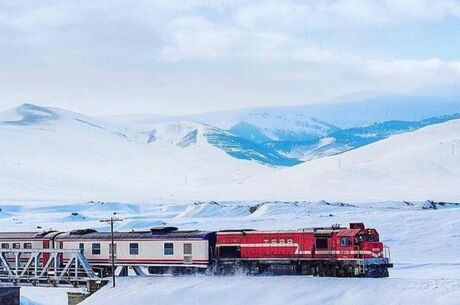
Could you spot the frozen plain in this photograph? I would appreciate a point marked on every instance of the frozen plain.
(424, 247)
(60, 164)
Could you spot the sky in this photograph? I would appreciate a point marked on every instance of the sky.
(180, 57)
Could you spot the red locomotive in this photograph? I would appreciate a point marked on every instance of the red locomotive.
(333, 251)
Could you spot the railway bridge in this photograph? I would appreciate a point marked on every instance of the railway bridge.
(43, 267)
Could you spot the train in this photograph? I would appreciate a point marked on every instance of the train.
(335, 251)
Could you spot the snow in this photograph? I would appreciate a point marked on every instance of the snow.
(44, 296)
(277, 290)
(65, 171)
(213, 209)
(417, 166)
(424, 244)
(66, 157)
(74, 158)
(343, 112)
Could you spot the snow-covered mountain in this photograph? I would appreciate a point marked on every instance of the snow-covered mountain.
(419, 165)
(347, 139)
(48, 153)
(184, 134)
(312, 131)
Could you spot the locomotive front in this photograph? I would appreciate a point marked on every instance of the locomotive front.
(368, 248)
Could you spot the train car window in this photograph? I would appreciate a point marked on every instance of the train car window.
(345, 241)
(134, 249)
(321, 243)
(81, 246)
(16, 246)
(96, 249)
(168, 249)
(5, 246)
(27, 246)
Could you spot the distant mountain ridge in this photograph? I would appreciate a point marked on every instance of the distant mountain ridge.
(54, 154)
(279, 137)
(346, 139)
(184, 134)
(314, 131)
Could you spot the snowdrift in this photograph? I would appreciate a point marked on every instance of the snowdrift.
(275, 291)
(414, 166)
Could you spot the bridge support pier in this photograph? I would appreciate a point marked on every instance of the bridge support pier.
(74, 298)
(10, 295)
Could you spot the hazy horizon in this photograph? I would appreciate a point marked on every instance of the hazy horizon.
(176, 57)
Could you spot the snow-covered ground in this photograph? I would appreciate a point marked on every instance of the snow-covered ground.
(54, 163)
(423, 237)
(51, 154)
(45, 296)
(56, 155)
(418, 165)
(277, 290)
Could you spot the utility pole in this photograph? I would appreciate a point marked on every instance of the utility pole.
(110, 221)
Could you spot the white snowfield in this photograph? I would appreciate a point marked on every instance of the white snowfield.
(419, 165)
(423, 238)
(56, 155)
(65, 156)
(54, 163)
(276, 291)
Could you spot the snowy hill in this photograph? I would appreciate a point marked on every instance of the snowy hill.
(346, 139)
(52, 154)
(184, 134)
(317, 130)
(55, 154)
(418, 165)
(268, 126)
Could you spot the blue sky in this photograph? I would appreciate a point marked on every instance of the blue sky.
(180, 57)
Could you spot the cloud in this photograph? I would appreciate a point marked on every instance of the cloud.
(194, 37)
(211, 55)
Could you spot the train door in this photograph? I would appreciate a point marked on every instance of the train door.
(46, 256)
(188, 255)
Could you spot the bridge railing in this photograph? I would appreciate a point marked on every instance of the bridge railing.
(39, 266)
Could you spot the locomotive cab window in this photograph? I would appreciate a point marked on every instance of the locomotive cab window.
(345, 241)
(134, 249)
(168, 249)
(5, 246)
(321, 243)
(96, 249)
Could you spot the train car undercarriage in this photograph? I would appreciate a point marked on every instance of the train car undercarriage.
(330, 268)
